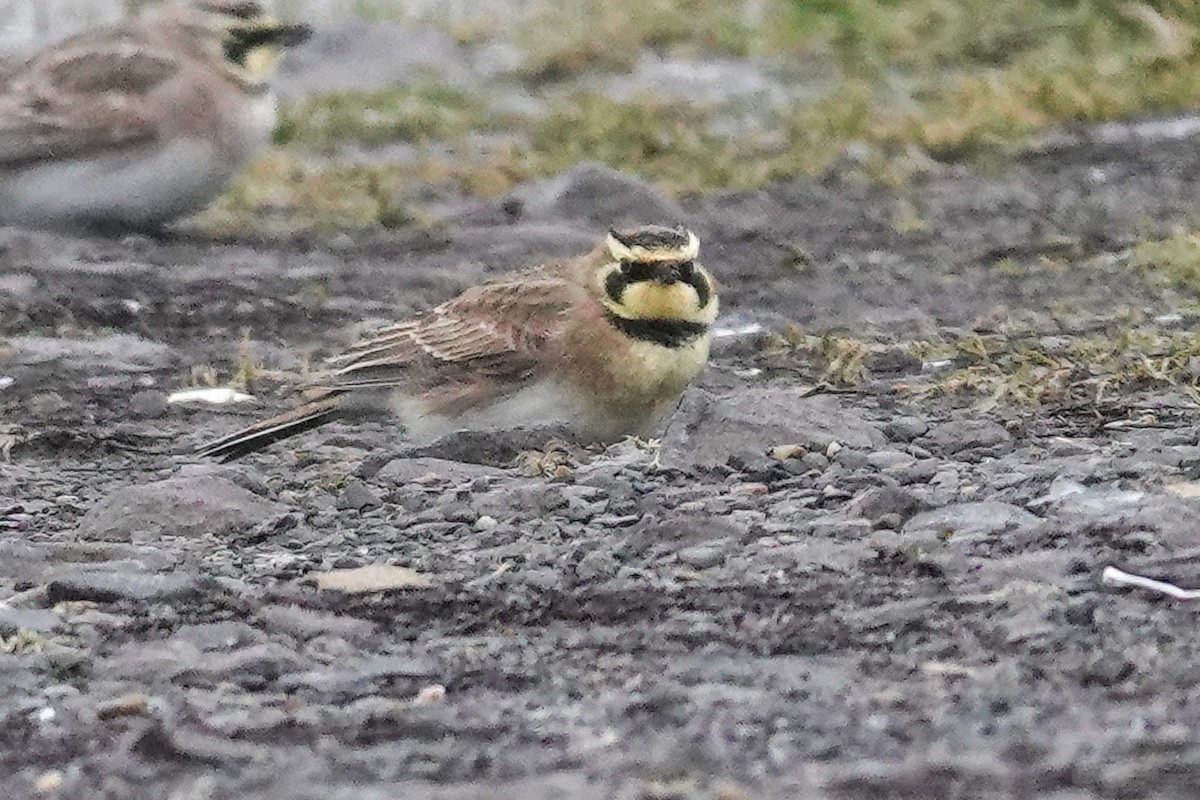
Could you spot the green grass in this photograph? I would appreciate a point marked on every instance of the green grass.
(1174, 261)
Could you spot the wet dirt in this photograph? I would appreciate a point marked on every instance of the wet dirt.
(907, 604)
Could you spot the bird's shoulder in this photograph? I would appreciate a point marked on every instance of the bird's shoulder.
(507, 325)
(89, 93)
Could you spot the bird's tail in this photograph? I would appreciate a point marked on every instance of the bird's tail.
(281, 426)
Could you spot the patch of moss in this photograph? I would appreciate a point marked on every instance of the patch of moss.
(423, 111)
(1174, 261)
(23, 642)
(1026, 369)
(839, 361)
(672, 143)
(611, 34)
(286, 193)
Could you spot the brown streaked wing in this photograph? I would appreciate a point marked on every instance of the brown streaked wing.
(79, 101)
(498, 334)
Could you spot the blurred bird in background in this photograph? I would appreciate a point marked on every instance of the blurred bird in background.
(132, 126)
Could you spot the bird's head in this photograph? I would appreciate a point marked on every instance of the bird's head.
(251, 39)
(652, 273)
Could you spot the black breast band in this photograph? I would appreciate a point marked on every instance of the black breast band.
(667, 332)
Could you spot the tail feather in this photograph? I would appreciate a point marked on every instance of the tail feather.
(281, 426)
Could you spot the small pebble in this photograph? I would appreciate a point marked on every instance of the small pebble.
(48, 782)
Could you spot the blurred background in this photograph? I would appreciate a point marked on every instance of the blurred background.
(402, 109)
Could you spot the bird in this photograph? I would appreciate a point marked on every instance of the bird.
(602, 344)
(129, 127)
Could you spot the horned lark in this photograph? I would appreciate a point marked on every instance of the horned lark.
(135, 125)
(603, 344)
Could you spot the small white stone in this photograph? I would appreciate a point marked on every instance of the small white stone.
(216, 396)
(434, 693)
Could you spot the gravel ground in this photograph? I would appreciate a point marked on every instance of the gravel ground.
(798, 593)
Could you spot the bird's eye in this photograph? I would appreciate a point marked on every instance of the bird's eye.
(686, 270)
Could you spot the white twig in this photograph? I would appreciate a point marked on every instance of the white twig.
(741, 330)
(216, 396)
(1114, 576)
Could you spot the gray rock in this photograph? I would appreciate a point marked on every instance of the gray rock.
(193, 507)
(966, 521)
(968, 434)
(401, 471)
(494, 59)
(108, 586)
(596, 564)
(360, 677)
(886, 501)
(703, 556)
(149, 404)
(839, 553)
(598, 195)
(304, 623)
(712, 80)
(919, 472)
(709, 432)
(16, 619)
(1123, 512)
(362, 55)
(513, 244)
(890, 460)
(356, 496)
(18, 285)
(251, 667)
(217, 635)
(119, 353)
(905, 429)
(22, 560)
(516, 499)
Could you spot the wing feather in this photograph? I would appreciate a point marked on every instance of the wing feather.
(488, 339)
(89, 95)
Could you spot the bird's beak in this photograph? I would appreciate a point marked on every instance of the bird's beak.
(667, 273)
(286, 35)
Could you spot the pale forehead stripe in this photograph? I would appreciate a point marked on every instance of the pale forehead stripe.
(624, 252)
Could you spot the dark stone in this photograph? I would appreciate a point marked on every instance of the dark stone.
(304, 623)
(112, 586)
(186, 506)
(16, 619)
(881, 501)
(599, 195)
(709, 432)
(356, 496)
(967, 521)
(956, 436)
(905, 429)
(251, 667)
